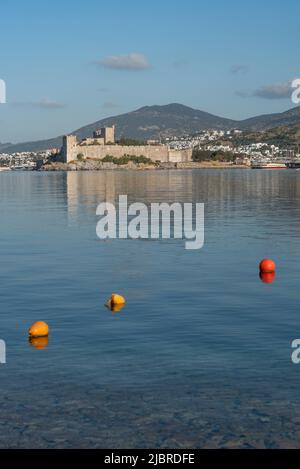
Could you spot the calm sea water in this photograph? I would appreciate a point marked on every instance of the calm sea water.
(201, 354)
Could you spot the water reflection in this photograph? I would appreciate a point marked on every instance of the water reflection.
(40, 343)
(115, 308)
(252, 192)
(89, 189)
(267, 277)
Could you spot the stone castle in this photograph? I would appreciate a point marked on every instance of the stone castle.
(103, 144)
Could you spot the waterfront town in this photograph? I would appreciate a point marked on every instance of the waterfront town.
(29, 161)
(207, 143)
(230, 142)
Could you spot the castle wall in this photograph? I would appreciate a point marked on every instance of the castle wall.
(180, 156)
(154, 153)
(91, 141)
(162, 153)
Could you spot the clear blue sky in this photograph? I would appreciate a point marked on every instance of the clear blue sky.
(68, 63)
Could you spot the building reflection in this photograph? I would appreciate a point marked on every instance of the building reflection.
(223, 191)
(85, 190)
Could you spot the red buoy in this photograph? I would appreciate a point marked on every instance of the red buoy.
(267, 277)
(267, 266)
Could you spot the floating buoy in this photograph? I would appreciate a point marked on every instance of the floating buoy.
(116, 303)
(39, 329)
(267, 265)
(116, 308)
(117, 300)
(40, 343)
(267, 277)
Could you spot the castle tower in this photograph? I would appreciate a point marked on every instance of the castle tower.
(69, 148)
(107, 133)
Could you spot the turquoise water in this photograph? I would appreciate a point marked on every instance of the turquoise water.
(201, 354)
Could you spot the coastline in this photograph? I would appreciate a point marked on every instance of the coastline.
(93, 165)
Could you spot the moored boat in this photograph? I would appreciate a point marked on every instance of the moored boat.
(25, 167)
(268, 165)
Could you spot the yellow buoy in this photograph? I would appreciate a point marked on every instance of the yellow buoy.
(39, 329)
(117, 300)
(116, 308)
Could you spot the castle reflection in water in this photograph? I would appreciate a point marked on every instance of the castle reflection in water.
(249, 189)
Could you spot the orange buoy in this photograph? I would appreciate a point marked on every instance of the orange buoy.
(115, 308)
(117, 300)
(115, 303)
(39, 329)
(267, 265)
(267, 277)
(40, 343)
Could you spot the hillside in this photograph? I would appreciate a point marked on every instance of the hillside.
(268, 121)
(144, 123)
(283, 136)
(4, 145)
(164, 121)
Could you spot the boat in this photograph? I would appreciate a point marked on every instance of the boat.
(4, 168)
(25, 167)
(294, 165)
(268, 165)
(17, 168)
